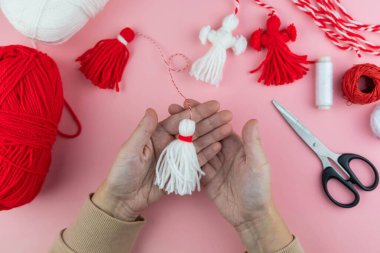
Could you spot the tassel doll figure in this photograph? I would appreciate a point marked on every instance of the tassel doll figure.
(281, 66)
(209, 68)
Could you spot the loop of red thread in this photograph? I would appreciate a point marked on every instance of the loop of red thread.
(185, 138)
(76, 121)
(350, 84)
(31, 102)
(169, 64)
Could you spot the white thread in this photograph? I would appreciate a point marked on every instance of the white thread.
(122, 40)
(324, 83)
(51, 21)
(177, 169)
(375, 121)
(209, 68)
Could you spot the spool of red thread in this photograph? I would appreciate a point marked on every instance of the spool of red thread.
(364, 92)
(31, 103)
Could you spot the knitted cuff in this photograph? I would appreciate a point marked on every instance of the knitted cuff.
(96, 232)
(293, 247)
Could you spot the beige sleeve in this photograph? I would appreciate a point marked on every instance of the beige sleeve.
(293, 247)
(96, 232)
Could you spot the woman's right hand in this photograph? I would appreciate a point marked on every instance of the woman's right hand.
(238, 182)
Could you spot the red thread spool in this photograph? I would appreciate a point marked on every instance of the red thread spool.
(31, 103)
(352, 89)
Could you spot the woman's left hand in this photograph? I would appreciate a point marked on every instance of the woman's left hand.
(129, 187)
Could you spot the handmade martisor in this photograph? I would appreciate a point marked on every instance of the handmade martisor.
(280, 66)
(351, 88)
(209, 68)
(104, 64)
(31, 103)
(51, 21)
(178, 170)
(339, 26)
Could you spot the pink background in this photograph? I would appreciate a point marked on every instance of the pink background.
(192, 224)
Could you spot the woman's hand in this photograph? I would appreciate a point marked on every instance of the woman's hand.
(130, 188)
(238, 182)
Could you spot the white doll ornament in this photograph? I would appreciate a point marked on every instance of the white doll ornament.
(209, 68)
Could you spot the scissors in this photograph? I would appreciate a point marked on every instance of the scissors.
(326, 155)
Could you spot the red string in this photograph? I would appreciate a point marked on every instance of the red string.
(185, 138)
(76, 121)
(237, 7)
(169, 64)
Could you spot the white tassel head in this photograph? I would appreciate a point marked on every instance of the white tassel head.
(177, 169)
(375, 121)
(186, 127)
(230, 22)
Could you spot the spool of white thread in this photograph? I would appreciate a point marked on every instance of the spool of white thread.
(52, 21)
(375, 121)
(324, 83)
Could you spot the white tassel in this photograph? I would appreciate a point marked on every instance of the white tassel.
(209, 68)
(177, 169)
(375, 121)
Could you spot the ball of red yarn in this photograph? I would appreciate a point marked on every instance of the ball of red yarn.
(31, 103)
(350, 84)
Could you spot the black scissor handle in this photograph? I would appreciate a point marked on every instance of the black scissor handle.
(345, 159)
(330, 173)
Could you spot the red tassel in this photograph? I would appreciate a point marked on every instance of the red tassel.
(281, 66)
(104, 64)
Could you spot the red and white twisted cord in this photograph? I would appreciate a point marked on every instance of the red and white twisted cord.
(271, 9)
(333, 19)
(237, 7)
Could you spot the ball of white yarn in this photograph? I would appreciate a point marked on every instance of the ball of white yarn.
(375, 121)
(52, 21)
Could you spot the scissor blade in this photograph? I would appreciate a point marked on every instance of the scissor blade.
(302, 132)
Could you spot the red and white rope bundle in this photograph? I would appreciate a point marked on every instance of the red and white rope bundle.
(339, 26)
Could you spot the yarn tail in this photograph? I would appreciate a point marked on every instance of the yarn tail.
(282, 66)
